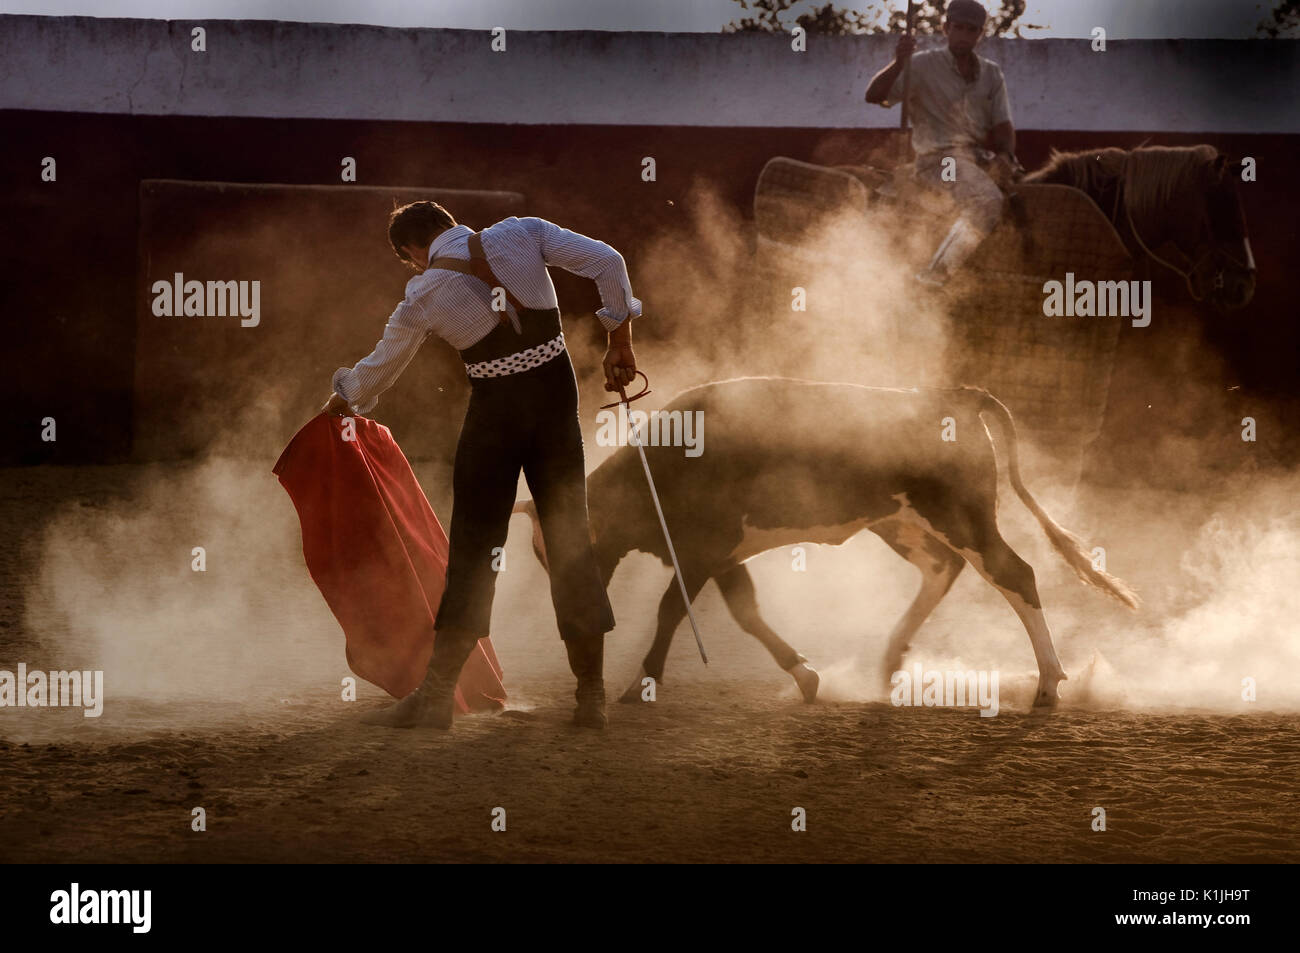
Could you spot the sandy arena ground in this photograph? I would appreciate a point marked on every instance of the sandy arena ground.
(709, 772)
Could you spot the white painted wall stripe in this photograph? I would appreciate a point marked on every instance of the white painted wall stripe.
(258, 68)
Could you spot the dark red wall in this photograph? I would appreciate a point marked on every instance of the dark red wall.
(69, 274)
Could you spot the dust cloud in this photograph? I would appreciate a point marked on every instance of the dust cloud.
(120, 587)
(1205, 526)
(1217, 571)
(1216, 576)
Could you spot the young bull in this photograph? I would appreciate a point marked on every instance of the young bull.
(792, 461)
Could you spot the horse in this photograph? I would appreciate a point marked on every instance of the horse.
(1182, 197)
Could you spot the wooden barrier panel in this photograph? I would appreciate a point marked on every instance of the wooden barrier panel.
(276, 287)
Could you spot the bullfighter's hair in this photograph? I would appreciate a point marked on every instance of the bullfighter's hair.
(416, 223)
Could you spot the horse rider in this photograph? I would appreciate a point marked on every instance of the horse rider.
(957, 102)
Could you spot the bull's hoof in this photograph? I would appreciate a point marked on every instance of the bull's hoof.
(806, 677)
(1047, 696)
(887, 682)
(1045, 700)
(637, 689)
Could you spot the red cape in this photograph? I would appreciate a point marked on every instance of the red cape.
(378, 554)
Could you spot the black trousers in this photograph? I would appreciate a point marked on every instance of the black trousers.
(525, 421)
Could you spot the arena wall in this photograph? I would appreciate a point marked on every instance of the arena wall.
(562, 120)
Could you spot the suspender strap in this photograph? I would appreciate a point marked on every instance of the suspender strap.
(478, 267)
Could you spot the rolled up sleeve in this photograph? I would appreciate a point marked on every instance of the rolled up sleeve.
(1000, 104)
(361, 384)
(592, 259)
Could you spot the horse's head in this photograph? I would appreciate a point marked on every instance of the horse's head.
(1177, 205)
(1197, 211)
(1223, 266)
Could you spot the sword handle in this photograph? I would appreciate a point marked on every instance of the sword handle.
(622, 394)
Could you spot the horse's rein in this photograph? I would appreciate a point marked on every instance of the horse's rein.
(1120, 182)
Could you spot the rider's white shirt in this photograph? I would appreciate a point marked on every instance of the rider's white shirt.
(950, 115)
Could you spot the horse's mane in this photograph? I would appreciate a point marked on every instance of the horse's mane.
(1151, 175)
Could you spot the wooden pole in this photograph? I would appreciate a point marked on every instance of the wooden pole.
(903, 147)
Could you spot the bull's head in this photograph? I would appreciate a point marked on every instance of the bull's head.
(604, 559)
(539, 544)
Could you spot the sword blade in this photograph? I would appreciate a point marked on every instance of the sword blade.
(635, 436)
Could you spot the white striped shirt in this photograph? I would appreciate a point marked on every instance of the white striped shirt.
(458, 307)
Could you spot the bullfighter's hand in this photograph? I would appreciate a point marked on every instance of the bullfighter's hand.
(1005, 170)
(620, 366)
(336, 405)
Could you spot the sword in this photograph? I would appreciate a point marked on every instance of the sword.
(635, 437)
(907, 86)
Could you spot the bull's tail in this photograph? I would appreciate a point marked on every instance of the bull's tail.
(1066, 543)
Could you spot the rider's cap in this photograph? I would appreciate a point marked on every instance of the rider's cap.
(966, 11)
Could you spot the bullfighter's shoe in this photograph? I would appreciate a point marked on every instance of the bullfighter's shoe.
(586, 659)
(433, 702)
(590, 712)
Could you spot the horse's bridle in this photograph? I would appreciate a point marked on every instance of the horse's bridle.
(1247, 265)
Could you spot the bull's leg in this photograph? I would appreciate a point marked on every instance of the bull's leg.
(939, 567)
(997, 562)
(671, 612)
(737, 587)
